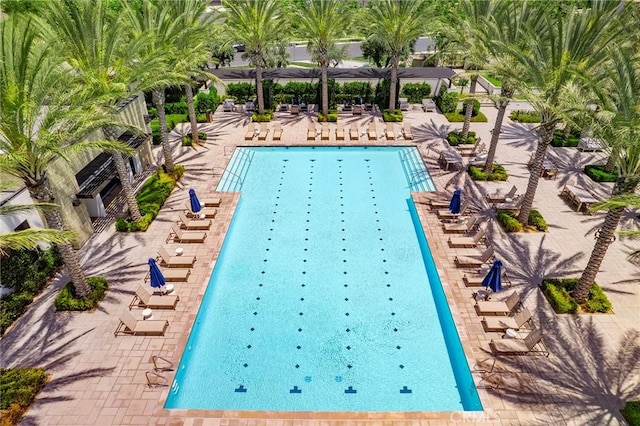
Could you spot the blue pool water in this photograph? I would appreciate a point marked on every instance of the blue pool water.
(325, 296)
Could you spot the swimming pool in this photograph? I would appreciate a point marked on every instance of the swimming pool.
(325, 296)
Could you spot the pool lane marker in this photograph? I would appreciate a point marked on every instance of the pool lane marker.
(296, 390)
(350, 389)
(241, 389)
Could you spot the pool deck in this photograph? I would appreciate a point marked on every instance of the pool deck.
(99, 379)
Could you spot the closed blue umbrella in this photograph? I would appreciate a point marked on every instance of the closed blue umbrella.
(195, 203)
(454, 205)
(157, 279)
(493, 280)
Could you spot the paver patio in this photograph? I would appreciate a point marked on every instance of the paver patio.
(99, 379)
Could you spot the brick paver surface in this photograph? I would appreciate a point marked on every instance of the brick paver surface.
(99, 379)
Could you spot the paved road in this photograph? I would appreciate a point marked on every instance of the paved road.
(298, 53)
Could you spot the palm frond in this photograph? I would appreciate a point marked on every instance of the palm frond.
(31, 238)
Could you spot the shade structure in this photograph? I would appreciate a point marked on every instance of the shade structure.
(493, 280)
(454, 205)
(157, 279)
(193, 199)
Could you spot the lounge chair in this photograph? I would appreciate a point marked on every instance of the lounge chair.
(514, 204)
(277, 131)
(130, 325)
(475, 280)
(295, 109)
(211, 202)
(340, 132)
(165, 259)
(173, 275)
(177, 235)
(389, 133)
(251, 132)
(404, 104)
(460, 228)
(479, 160)
(357, 110)
(208, 212)
(144, 299)
(516, 322)
(490, 307)
(193, 224)
(311, 132)
(467, 242)
(406, 131)
(228, 105)
(372, 133)
(500, 197)
(354, 133)
(474, 262)
(532, 344)
(264, 131)
(590, 144)
(428, 105)
(467, 150)
(324, 133)
(446, 213)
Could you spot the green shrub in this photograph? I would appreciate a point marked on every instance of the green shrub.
(27, 273)
(172, 120)
(18, 389)
(332, 117)
(176, 108)
(187, 140)
(597, 173)
(525, 116)
(67, 300)
(262, 118)
(508, 222)
(498, 173)
(458, 117)
(416, 92)
(559, 139)
(475, 109)
(537, 221)
(631, 412)
(557, 291)
(150, 199)
(455, 139)
(241, 92)
(392, 118)
(207, 102)
(447, 102)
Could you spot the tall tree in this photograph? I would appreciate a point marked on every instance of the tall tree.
(559, 54)
(322, 23)
(42, 118)
(621, 132)
(254, 24)
(400, 23)
(92, 41)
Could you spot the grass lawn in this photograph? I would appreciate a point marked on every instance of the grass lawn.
(458, 117)
(492, 79)
(303, 64)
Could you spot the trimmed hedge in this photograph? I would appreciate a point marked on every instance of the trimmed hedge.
(455, 139)
(27, 272)
(67, 300)
(597, 173)
(18, 389)
(498, 172)
(458, 117)
(188, 140)
(507, 219)
(150, 199)
(560, 141)
(392, 118)
(447, 102)
(525, 116)
(262, 118)
(416, 92)
(557, 291)
(631, 412)
(331, 117)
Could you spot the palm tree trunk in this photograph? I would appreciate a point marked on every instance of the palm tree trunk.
(469, 111)
(566, 131)
(546, 135)
(41, 193)
(192, 114)
(259, 89)
(158, 101)
(392, 85)
(495, 136)
(611, 161)
(121, 168)
(325, 90)
(605, 237)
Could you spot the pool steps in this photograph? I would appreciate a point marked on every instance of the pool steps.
(416, 172)
(234, 174)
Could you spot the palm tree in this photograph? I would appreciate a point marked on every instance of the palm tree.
(559, 55)
(399, 22)
(623, 201)
(254, 24)
(322, 22)
(93, 42)
(42, 118)
(621, 131)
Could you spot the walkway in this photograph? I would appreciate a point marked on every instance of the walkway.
(99, 379)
